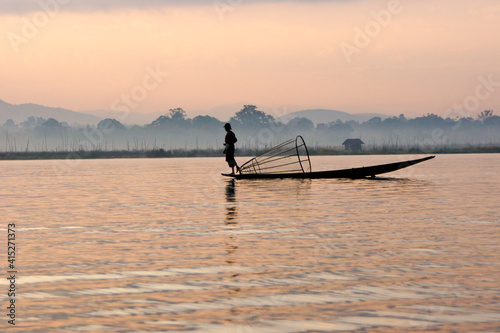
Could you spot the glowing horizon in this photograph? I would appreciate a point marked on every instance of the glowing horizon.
(361, 56)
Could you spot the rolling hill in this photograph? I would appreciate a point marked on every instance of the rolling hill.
(21, 112)
(318, 116)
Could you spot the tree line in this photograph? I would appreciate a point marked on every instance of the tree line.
(255, 129)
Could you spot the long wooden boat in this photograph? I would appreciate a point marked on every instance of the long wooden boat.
(354, 173)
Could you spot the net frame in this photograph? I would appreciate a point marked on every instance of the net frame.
(291, 156)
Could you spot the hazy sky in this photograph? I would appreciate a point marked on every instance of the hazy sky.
(411, 57)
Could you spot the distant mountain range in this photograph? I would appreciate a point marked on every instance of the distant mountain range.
(129, 118)
(318, 116)
(21, 112)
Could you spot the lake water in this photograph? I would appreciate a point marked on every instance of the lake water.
(152, 245)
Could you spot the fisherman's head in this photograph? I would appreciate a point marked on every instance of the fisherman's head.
(227, 126)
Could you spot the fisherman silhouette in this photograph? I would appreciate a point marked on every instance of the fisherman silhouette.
(230, 140)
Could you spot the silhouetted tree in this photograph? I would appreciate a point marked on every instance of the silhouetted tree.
(395, 122)
(50, 128)
(178, 115)
(109, 125)
(32, 122)
(464, 123)
(161, 121)
(174, 120)
(300, 124)
(430, 121)
(339, 127)
(375, 122)
(493, 121)
(207, 123)
(10, 125)
(250, 117)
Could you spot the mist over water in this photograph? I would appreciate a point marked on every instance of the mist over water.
(254, 129)
(169, 244)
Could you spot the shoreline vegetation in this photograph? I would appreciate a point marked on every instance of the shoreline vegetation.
(194, 153)
(256, 130)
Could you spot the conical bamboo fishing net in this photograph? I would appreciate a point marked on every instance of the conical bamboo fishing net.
(288, 157)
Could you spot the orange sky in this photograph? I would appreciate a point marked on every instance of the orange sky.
(425, 57)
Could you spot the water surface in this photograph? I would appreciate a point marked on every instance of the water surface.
(170, 245)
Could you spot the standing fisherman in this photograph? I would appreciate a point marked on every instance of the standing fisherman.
(230, 140)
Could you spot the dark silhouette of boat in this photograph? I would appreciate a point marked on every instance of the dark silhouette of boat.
(291, 160)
